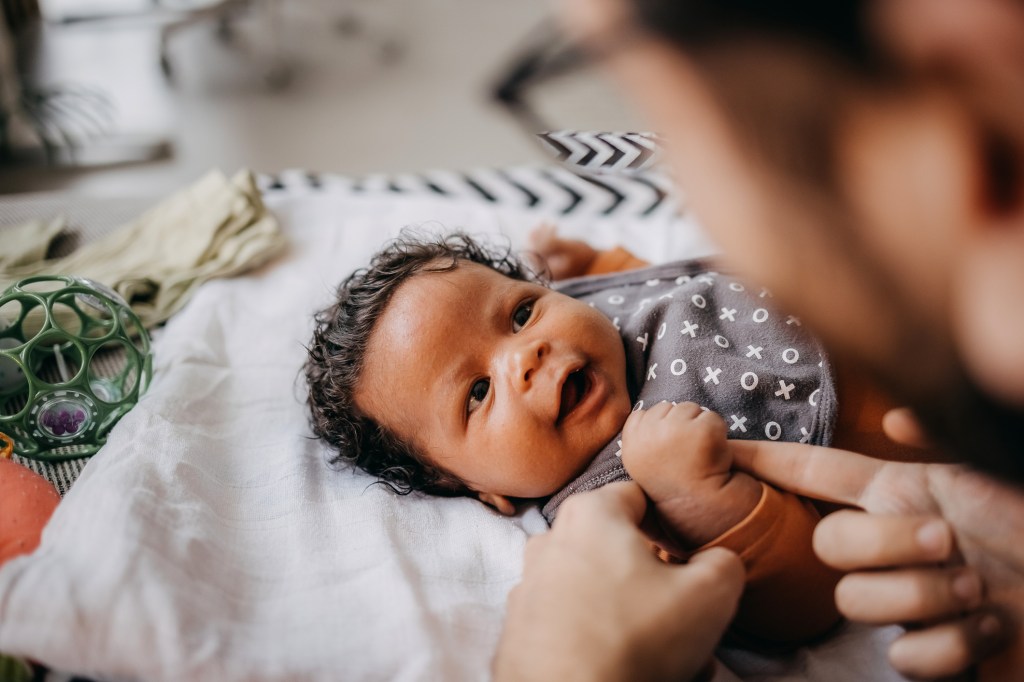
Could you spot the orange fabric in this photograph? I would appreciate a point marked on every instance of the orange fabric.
(614, 260)
(789, 594)
(27, 501)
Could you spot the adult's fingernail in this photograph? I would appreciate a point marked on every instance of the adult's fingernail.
(933, 537)
(967, 587)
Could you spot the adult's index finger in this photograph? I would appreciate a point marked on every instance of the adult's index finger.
(809, 470)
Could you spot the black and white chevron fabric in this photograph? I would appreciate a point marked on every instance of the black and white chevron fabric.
(551, 190)
(604, 152)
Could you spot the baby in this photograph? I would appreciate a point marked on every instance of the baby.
(450, 368)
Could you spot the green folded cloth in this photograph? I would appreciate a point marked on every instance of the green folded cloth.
(14, 669)
(215, 228)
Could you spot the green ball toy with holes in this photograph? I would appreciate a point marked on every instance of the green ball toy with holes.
(74, 359)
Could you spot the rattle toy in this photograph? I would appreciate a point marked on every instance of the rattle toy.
(74, 359)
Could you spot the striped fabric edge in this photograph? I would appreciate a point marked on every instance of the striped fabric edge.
(551, 190)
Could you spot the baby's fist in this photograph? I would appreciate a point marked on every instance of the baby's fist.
(563, 258)
(670, 449)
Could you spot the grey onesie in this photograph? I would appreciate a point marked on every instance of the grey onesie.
(693, 334)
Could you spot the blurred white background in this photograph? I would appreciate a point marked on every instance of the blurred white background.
(350, 86)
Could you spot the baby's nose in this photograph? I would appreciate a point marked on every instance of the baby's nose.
(526, 360)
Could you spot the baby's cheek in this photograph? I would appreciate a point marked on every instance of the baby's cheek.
(542, 479)
(620, 409)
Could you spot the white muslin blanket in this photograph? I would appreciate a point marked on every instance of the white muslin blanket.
(208, 541)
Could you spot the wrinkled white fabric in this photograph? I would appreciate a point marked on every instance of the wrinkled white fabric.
(209, 541)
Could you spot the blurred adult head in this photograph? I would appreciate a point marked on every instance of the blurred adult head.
(864, 159)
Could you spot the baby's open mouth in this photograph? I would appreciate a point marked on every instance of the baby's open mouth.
(574, 390)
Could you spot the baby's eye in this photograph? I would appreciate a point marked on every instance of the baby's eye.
(477, 393)
(522, 315)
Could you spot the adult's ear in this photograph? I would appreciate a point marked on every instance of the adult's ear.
(501, 503)
(975, 49)
(924, 32)
(977, 44)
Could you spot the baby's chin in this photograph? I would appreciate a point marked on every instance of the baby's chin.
(597, 438)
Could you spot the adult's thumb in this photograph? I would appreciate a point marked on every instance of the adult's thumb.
(716, 574)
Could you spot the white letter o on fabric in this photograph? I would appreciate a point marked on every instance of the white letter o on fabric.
(743, 381)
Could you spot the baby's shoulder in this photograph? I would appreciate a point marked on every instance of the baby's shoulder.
(661, 276)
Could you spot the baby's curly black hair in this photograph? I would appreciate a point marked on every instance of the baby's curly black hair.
(338, 350)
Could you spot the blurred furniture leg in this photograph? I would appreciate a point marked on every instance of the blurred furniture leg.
(67, 126)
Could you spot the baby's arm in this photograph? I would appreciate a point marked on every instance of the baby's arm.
(701, 502)
(565, 258)
(679, 455)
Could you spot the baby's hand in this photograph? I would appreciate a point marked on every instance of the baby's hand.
(680, 457)
(563, 258)
(670, 447)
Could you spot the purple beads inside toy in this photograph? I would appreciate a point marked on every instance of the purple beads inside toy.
(64, 418)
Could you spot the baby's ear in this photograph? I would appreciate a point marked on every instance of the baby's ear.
(499, 502)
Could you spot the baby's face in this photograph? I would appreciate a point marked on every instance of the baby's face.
(508, 385)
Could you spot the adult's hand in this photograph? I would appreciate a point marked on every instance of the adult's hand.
(596, 604)
(938, 548)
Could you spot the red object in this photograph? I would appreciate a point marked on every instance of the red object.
(27, 501)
